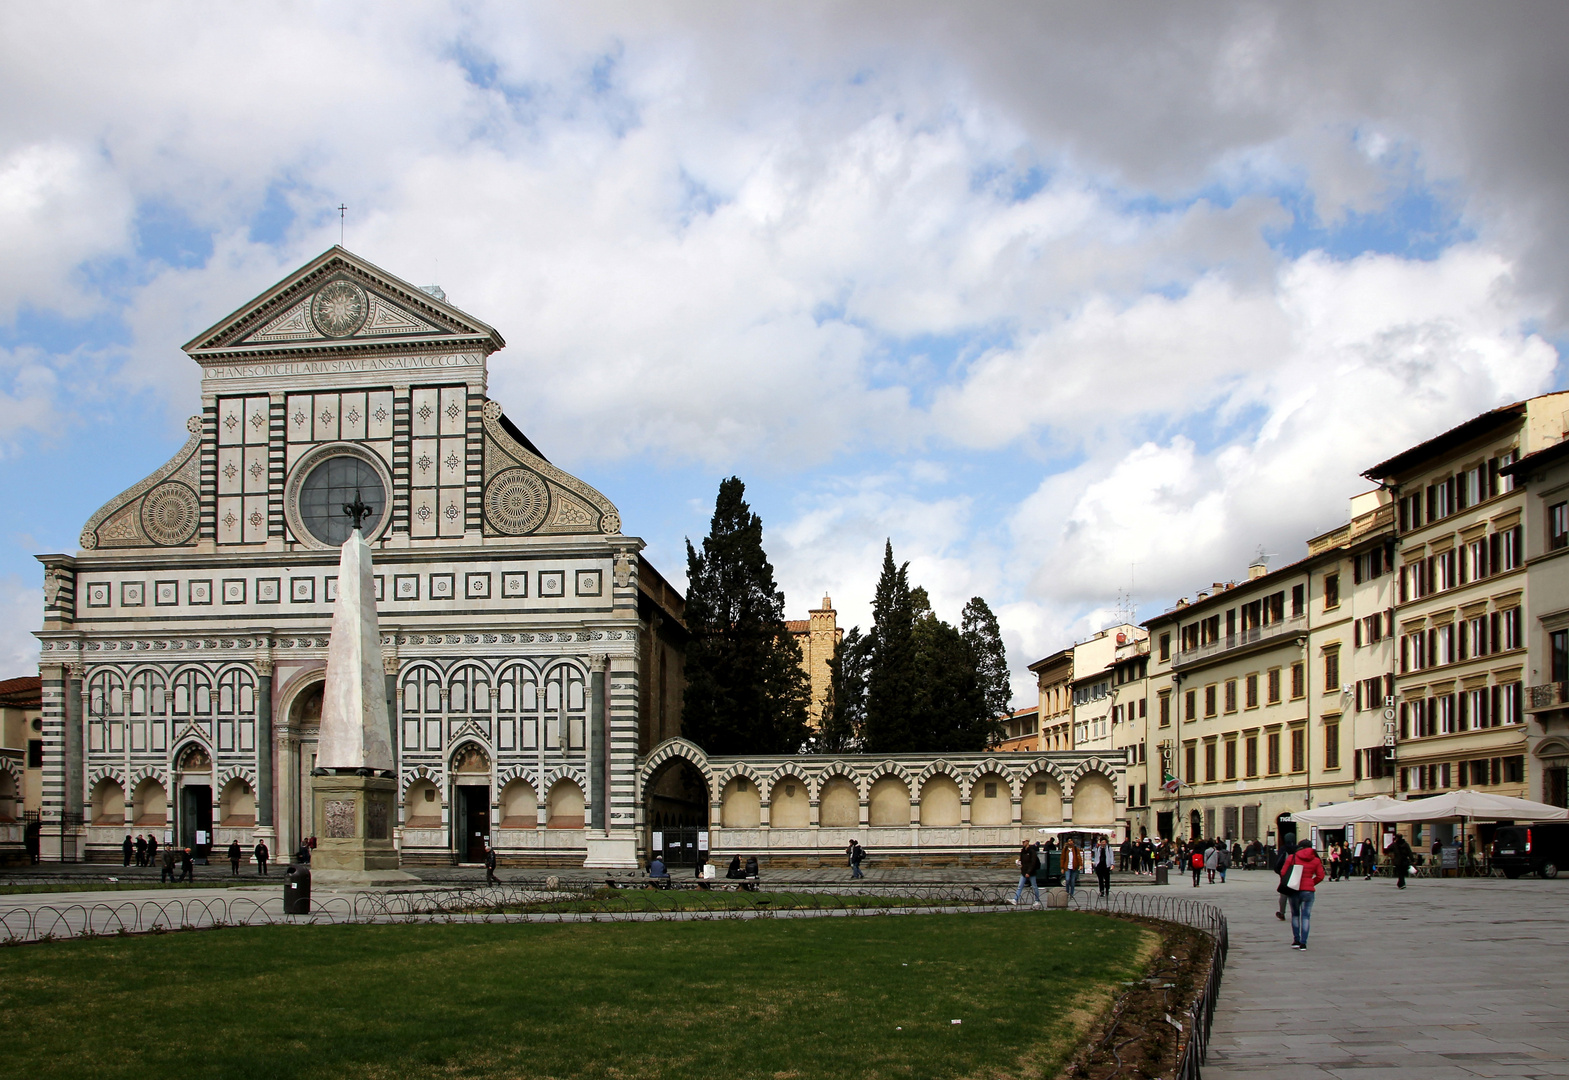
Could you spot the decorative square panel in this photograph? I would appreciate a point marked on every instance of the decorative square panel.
(99, 594)
(381, 583)
(302, 590)
(166, 593)
(133, 593)
(476, 586)
(199, 592)
(514, 583)
(234, 590)
(590, 582)
(329, 589)
(405, 586)
(552, 583)
(441, 586)
(269, 590)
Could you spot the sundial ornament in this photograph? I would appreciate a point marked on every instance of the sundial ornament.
(339, 308)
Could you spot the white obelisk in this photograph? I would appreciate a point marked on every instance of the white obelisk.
(355, 733)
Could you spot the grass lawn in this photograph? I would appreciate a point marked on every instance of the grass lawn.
(631, 901)
(789, 998)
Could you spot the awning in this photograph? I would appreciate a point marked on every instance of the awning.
(1346, 813)
(1471, 805)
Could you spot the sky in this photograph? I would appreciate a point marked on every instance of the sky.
(1080, 306)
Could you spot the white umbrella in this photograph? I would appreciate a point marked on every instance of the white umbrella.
(1474, 805)
(1346, 813)
(1091, 830)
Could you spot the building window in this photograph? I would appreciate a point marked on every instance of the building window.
(1331, 746)
(1512, 706)
(1298, 749)
(1331, 590)
(1298, 600)
(1560, 655)
(1511, 627)
(1272, 748)
(1274, 686)
(1165, 646)
(1165, 708)
(1209, 763)
(1191, 705)
(1231, 759)
(1298, 680)
(1209, 700)
(1514, 769)
(1250, 822)
(1250, 755)
(1231, 695)
(1332, 671)
(1192, 763)
(1558, 526)
(1251, 691)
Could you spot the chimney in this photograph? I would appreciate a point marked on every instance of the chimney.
(1257, 569)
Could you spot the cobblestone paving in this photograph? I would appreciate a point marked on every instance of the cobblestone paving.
(1448, 979)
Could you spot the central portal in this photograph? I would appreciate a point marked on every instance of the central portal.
(473, 818)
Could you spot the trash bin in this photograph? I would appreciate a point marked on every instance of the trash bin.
(1052, 870)
(1160, 875)
(297, 891)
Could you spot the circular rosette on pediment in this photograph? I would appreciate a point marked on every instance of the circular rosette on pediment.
(339, 308)
(169, 514)
(516, 501)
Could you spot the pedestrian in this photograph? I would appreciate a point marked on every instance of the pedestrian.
(1303, 871)
(125, 849)
(1125, 855)
(262, 855)
(187, 866)
(1211, 862)
(303, 856)
(234, 858)
(1101, 861)
(857, 856)
(152, 849)
(1222, 862)
(1278, 864)
(1400, 852)
(1029, 868)
(141, 850)
(1196, 861)
(167, 874)
(1072, 863)
(490, 866)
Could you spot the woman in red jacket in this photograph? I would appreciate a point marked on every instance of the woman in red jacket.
(1302, 871)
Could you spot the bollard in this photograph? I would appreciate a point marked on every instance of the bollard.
(297, 891)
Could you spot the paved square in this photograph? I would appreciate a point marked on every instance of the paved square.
(1460, 979)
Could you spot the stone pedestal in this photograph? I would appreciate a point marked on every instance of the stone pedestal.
(615, 851)
(354, 816)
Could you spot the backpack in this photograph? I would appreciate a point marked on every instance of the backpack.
(1197, 860)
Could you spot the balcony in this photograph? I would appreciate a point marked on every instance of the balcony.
(1545, 698)
(1247, 639)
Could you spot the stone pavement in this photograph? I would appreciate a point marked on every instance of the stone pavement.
(1448, 979)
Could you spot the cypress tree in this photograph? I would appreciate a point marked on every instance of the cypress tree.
(844, 708)
(890, 673)
(950, 705)
(746, 692)
(984, 636)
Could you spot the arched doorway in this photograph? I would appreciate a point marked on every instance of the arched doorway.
(470, 802)
(675, 806)
(193, 780)
(303, 730)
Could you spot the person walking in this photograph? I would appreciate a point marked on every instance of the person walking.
(1029, 868)
(1400, 852)
(1278, 864)
(857, 856)
(1101, 861)
(1222, 862)
(141, 850)
(1211, 862)
(234, 858)
(1196, 861)
(1072, 863)
(187, 866)
(1303, 871)
(125, 849)
(152, 850)
(262, 855)
(167, 873)
(490, 866)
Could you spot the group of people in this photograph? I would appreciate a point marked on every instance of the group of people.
(144, 850)
(1074, 861)
(1210, 858)
(1141, 856)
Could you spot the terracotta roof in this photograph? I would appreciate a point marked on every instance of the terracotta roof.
(798, 626)
(1539, 460)
(1455, 437)
(26, 692)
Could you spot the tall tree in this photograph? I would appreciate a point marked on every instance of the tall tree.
(890, 672)
(844, 707)
(746, 692)
(950, 706)
(984, 636)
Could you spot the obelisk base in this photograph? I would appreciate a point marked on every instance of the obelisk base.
(354, 846)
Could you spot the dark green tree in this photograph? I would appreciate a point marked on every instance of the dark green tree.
(745, 690)
(950, 705)
(984, 636)
(844, 708)
(890, 670)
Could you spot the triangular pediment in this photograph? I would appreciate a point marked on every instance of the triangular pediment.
(339, 301)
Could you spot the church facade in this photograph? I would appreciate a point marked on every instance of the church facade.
(530, 652)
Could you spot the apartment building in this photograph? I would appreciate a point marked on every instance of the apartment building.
(1545, 477)
(1461, 646)
(1130, 727)
(1020, 731)
(1240, 717)
(1094, 684)
(1054, 685)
